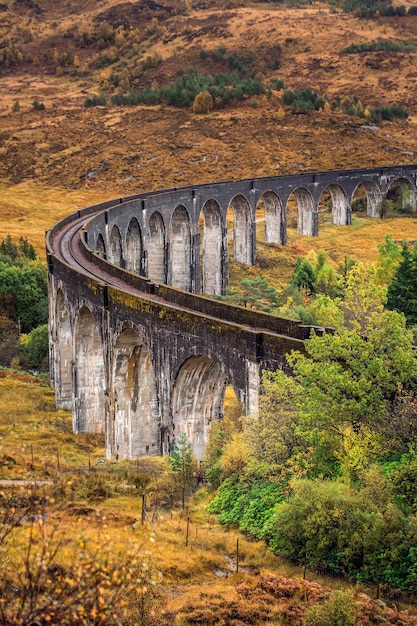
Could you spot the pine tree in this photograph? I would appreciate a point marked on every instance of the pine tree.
(304, 275)
(181, 461)
(402, 291)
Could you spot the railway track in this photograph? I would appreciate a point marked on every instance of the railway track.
(65, 243)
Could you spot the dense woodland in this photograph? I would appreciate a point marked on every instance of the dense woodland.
(326, 472)
(23, 306)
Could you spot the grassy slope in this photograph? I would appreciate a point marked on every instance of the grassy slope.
(199, 581)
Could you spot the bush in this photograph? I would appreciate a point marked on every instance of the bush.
(38, 106)
(203, 102)
(9, 341)
(337, 611)
(95, 101)
(277, 83)
(223, 88)
(28, 285)
(388, 113)
(304, 99)
(218, 54)
(247, 506)
(382, 45)
(369, 8)
(412, 10)
(36, 347)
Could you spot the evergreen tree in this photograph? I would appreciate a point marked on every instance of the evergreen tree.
(181, 461)
(8, 248)
(258, 294)
(304, 275)
(402, 291)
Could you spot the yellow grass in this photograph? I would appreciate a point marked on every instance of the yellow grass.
(358, 241)
(31, 425)
(201, 574)
(28, 210)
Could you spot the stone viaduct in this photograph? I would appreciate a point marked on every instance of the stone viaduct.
(138, 347)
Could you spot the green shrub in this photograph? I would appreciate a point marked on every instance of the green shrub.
(277, 83)
(248, 506)
(235, 62)
(388, 113)
(223, 88)
(304, 99)
(382, 45)
(95, 101)
(38, 106)
(36, 347)
(218, 54)
(25, 280)
(339, 610)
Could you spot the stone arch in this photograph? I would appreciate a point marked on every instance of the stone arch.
(243, 247)
(339, 205)
(180, 249)
(137, 429)
(214, 250)
(306, 213)
(404, 193)
(134, 247)
(197, 398)
(156, 249)
(274, 218)
(101, 246)
(63, 353)
(116, 247)
(373, 197)
(89, 376)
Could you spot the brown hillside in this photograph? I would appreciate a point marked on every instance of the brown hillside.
(122, 150)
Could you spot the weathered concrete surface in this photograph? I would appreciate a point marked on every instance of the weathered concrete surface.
(138, 354)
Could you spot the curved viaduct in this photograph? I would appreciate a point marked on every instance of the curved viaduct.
(137, 348)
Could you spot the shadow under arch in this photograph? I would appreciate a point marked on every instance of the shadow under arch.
(89, 376)
(340, 214)
(63, 353)
(136, 429)
(179, 237)
(243, 248)
(306, 215)
(116, 247)
(156, 249)
(400, 198)
(274, 218)
(197, 398)
(373, 196)
(134, 247)
(101, 247)
(214, 250)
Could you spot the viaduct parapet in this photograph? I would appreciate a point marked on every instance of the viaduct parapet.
(138, 347)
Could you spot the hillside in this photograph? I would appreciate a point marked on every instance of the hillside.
(57, 155)
(60, 53)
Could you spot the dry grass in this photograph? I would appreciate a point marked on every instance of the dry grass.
(199, 582)
(30, 425)
(28, 210)
(358, 241)
(150, 147)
